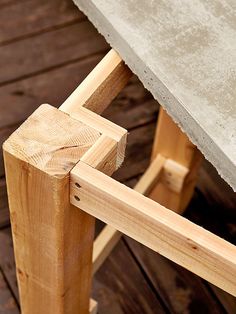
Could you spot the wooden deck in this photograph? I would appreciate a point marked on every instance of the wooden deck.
(47, 48)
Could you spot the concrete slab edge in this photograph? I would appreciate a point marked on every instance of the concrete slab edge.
(180, 115)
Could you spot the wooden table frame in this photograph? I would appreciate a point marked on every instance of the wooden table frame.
(58, 167)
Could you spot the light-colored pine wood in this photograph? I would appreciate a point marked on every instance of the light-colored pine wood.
(93, 307)
(101, 86)
(45, 147)
(155, 226)
(106, 128)
(172, 143)
(102, 155)
(151, 176)
(95, 93)
(109, 236)
(52, 239)
(174, 175)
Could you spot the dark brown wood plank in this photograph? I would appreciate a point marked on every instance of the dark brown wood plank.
(32, 17)
(215, 189)
(4, 211)
(49, 50)
(119, 286)
(227, 300)
(5, 3)
(7, 262)
(20, 99)
(182, 291)
(7, 302)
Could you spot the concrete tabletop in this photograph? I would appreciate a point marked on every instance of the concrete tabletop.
(184, 52)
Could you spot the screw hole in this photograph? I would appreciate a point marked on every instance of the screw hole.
(78, 185)
(77, 198)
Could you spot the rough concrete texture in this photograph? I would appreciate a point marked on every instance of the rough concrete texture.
(184, 52)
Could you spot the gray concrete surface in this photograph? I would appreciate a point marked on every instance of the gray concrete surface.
(184, 52)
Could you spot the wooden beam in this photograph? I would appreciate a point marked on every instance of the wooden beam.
(103, 155)
(155, 226)
(151, 176)
(105, 127)
(172, 143)
(109, 236)
(174, 175)
(95, 93)
(53, 240)
(101, 86)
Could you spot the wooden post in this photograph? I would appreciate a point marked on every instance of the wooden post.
(52, 239)
(172, 143)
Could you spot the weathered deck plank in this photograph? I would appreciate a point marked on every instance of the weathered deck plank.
(49, 50)
(7, 302)
(37, 16)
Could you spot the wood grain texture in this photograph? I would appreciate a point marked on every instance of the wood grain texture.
(101, 86)
(95, 93)
(102, 155)
(52, 86)
(155, 226)
(104, 126)
(172, 143)
(7, 265)
(52, 239)
(181, 291)
(132, 108)
(130, 293)
(34, 17)
(47, 51)
(109, 236)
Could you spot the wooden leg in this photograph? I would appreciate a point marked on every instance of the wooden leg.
(53, 240)
(172, 143)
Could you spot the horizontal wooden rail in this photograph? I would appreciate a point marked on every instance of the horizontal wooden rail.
(101, 86)
(162, 230)
(109, 236)
(94, 94)
(160, 167)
